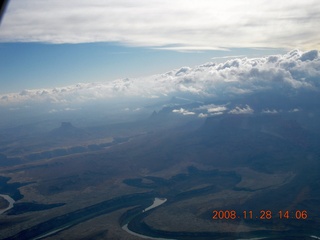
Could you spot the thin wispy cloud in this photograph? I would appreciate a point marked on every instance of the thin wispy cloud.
(228, 57)
(176, 25)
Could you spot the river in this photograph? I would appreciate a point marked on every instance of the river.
(10, 200)
(156, 203)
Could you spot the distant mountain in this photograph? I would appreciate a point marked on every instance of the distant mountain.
(67, 130)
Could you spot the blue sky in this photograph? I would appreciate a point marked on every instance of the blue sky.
(39, 65)
(46, 44)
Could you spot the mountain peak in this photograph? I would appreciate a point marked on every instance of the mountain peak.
(66, 125)
(67, 130)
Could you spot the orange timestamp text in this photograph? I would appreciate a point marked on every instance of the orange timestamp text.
(262, 214)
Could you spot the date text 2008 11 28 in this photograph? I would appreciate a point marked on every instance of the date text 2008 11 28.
(262, 215)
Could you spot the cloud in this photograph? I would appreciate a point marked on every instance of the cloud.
(183, 111)
(228, 57)
(180, 25)
(211, 110)
(216, 113)
(285, 73)
(245, 110)
(295, 110)
(53, 110)
(203, 115)
(268, 111)
(217, 109)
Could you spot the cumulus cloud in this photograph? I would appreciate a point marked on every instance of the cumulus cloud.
(295, 110)
(202, 115)
(183, 111)
(242, 110)
(289, 72)
(216, 113)
(211, 110)
(217, 109)
(177, 25)
(268, 111)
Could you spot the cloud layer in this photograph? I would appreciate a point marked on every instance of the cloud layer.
(290, 72)
(176, 25)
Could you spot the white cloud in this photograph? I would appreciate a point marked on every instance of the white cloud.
(212, 108)
(67, 109)
(228, 57)
(268, 111)
(245, 110)
(217, 109)
(70, 109)
(180, 25)
(295, 110)
(183, 111)
(202, 115)
(217, 113)
(288, 72)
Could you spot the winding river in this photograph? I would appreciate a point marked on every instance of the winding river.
(156, 203)
(140, 203)
(10, 200)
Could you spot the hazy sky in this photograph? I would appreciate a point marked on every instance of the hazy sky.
(56, 43)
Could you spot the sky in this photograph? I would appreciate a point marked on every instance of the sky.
(211, 86)
(290, 72)
(56, 43)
